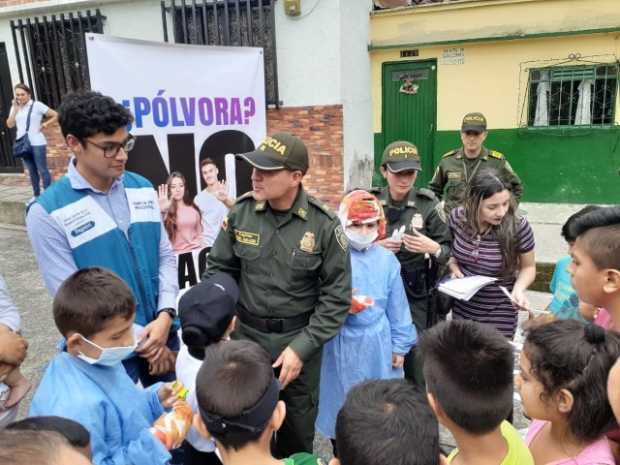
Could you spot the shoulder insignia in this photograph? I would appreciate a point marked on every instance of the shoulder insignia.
(449, 154)
(441, 212)
(321, 206)
(341, 237)
(246, 196)
(225, 223)
(429, 194)
(496, 154)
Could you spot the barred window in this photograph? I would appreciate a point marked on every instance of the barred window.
(572, 95)
(241, 23)
(53, 52)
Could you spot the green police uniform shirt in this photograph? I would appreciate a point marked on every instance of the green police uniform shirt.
(455, 171)
(430, 220)
(288, 264)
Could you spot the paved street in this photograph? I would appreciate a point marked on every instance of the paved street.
(18, 266)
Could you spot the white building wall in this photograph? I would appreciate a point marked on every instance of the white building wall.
(309, 54)
(355, 88)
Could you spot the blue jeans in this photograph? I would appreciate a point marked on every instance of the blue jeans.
(37, 168)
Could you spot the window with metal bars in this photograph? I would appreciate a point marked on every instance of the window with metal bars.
(53, 53)
(572, 95)
(241, 23)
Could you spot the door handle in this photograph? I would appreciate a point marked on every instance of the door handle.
(430, 130)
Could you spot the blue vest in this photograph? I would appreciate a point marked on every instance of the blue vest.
(96, 240)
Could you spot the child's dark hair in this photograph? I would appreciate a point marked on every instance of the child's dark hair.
(568, 228)
(84, 114)
(569, 354)
(30, 447)
(233, 378)
(599, 232)
(468, 368)
(381, 420)
(88, 299)
(72, 431)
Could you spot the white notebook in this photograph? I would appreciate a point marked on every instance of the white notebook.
(464, 288)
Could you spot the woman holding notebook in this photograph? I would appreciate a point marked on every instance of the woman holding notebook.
(491, 240)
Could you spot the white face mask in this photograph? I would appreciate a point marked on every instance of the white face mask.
(110, 356)
(361, 241)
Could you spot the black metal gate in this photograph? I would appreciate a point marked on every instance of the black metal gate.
(241, 23)
(53, 52)
(8, 164)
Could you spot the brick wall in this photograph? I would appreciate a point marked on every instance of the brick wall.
(320, 127)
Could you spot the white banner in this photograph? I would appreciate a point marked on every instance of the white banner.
(190, 102)
(209, 101)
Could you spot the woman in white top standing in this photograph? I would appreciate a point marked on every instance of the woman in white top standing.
(36, 163)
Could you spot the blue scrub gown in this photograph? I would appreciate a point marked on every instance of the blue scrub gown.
(363, 348)
(108, 404)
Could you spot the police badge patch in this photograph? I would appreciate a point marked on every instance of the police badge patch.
(307, 242)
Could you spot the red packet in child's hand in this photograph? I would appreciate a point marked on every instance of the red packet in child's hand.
(359, 303)
(172, 427)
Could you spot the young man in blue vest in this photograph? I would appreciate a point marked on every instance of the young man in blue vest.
(98, 214)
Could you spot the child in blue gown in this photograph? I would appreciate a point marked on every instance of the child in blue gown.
(378, 331)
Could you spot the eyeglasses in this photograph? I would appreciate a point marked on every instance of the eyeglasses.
(111, 149)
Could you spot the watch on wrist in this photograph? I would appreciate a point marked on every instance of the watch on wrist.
(170, 311)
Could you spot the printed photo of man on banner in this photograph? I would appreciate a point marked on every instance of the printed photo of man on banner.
(195, 107)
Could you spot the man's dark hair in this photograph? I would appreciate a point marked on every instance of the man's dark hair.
(84, 114)
(569, 354)
(71, 430)
(387, 422)
(233, 377)
(30, 447)
(599, 232)
(468, 368)
(568, 227)
(88, 299)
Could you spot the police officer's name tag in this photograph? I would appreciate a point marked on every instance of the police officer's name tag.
(143, 205)
(83, 221)
(248, 238)
(455, 175)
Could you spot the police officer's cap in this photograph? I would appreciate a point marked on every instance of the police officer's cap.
(401, 156)
(206, 311)
(277, 152)
(474, 122)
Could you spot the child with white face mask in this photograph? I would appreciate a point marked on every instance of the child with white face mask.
(86, 382)
(378, 331)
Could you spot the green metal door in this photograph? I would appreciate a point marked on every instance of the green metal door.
(410, 108)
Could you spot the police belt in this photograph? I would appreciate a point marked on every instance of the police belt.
(273, 325)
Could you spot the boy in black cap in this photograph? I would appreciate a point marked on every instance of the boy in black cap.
(207, 317)
(238, 401)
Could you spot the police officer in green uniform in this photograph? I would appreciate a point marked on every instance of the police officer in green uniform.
(290, 256)
(459, 166)
(417, 233)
